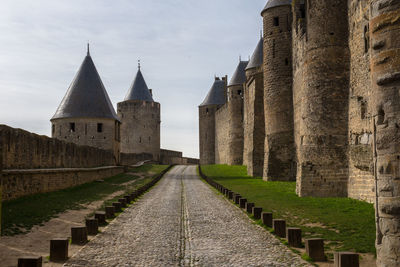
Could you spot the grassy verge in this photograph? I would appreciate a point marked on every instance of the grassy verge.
(345, 224)
(21, 214)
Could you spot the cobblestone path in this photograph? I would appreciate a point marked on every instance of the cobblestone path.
(183, 222)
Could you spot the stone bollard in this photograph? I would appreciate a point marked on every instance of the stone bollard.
(237, 199)
(101, 217)
(242, 203)
(293, 236)
(249, 207)
(79, 235)
(279, 227)
(315, 249)
(59, 249)
(230, 195)
(123, 202)
(128, 199)
(267, 219)
(117, 206)
(110, 212)
(92, 226)
(257, 212)
(346, 259)
(30, 262)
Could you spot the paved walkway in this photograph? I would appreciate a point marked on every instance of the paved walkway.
(183, 222)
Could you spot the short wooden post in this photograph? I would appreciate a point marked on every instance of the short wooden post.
(92, 226)
(257, 212)
(293, 236)
(242, 203)
(128, 199)
(267, 218)
(315, 249)
(346, 259)
(249, 207)
(230, 195)
(123, 202)
(279, 227)
(59, 249)
(79, 235)
(110, 212)
(30, 262)
(117, 206)
(237, 199)
(101, 217)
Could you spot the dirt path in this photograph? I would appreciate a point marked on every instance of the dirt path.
(183, 222)
(37, 241)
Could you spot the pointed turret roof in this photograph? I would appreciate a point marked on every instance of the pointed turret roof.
(256, 59)
(139, 89)
(239, 77)
(216, 95)
(86, 96)
(275, 3)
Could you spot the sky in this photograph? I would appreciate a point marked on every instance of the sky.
(182, 45)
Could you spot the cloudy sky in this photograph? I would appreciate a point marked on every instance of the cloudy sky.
(182, 44)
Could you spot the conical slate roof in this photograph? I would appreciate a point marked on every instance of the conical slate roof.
(275, 3)
(239, 77)
(216, 95)
(139, 89)
(256, 59)
(86, 96)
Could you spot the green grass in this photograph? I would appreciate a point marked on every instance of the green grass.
(20, 215)
(345, 224)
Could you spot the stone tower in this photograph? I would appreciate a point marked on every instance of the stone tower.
(235, 114)
(215, 98)
(140, 118)
(384, 29)
(86, 115)
(320, 95)
(254, 127)
(278, 100)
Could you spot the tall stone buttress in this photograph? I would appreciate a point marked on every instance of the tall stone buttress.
(86, 115)
(384, 30)
(320, 93)
(215, 98)
(140, 117)
(254, 123)
(278, 104)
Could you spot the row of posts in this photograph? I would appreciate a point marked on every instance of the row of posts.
(79, 235)
(314, 246)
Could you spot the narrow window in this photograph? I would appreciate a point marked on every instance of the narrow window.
(99, 127)
(149, 139)
(85, 128)
(366, 39)
(206, 110)
(140, 139)
(53, 129)
(286, 61)
(239, 92)
(72, 127)
(303, 11)
(276, 21)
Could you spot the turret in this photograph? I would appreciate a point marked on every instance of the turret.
(320, 93)
(253, 123)
(85, 115)
(140, 117)
(278, 104)
(215, 98)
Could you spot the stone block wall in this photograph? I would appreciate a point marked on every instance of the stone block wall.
(222, 135)
(207, 134)
(131, 159)
(235, 126)
(253, 124)
(361, 183)
(278, 98)
(320, 97)
(140, 128)
(20, 149)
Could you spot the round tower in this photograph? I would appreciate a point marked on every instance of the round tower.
(214, 99)
(86, 115)
(140, 118)
(278, 103)
(321, 85)
(254, 124)
(384, 30)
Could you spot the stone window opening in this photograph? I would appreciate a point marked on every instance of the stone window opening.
(381, 116)
(363, 110)
(366, 39)
(85, 128)
(286, 61)
(140, 139)
(53, 129)
(276, 21)
(99, 127)
(239, 92)
(149, 139)
(206, 110)
(72, 127)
